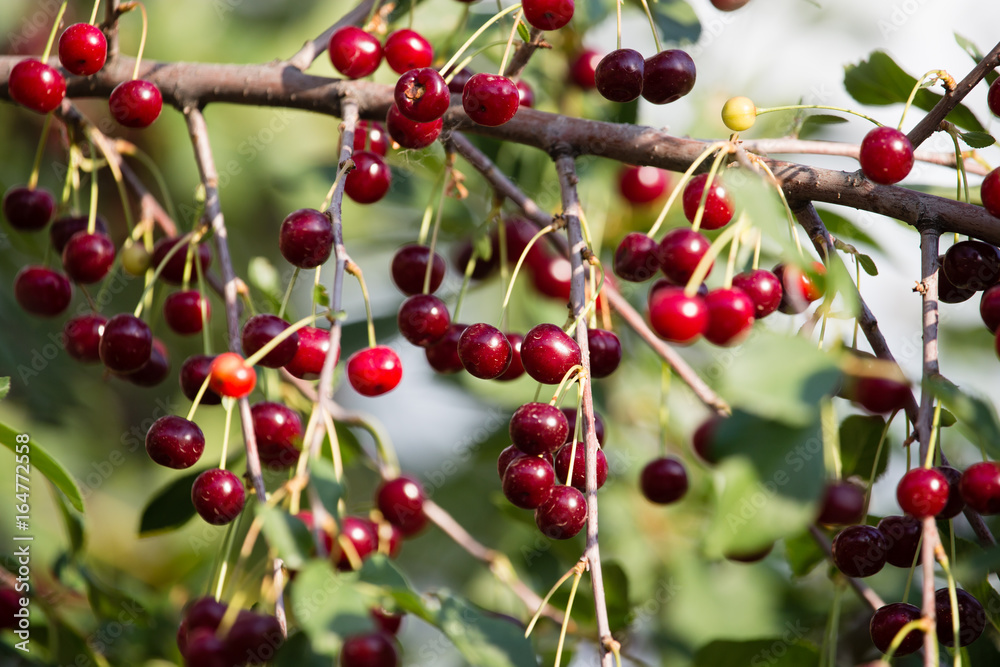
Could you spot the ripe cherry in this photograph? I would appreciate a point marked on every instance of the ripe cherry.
(354, 52)
(173, 271)
(409, 267)
(175, 442)
(679, 253)
(459, 79)
(155, 370)
(371, 136)
(28, 209)
(972, 265)
(361, 535)
(409, 133)
(218, 496)
(82, 337)
(605, 352)
(955, 503)
(881, 390)
(422, 95)
(993, 98)
(949, 292)
(63, 229)
(989, 191)
(859, 551)
(136, 103)
(279, 433)
(583, 69)
(989, 308)
(578, 456)
(192, 375)
(664, 480)
(552, 277)
(667, 76)
(886, 155)
(230, 376)
(374, 371)
(127, 343)
(728, 5)
(548, 353)
(407, 49)
(372, 650)
(260, 330)
(35, 85)
(202, 648)
(442, 354)
(548, 14)
(387, 622)
(516, 368)
(490, 99)
(886, 623)
(843, 503)
(525, 94)
(642, 185)
(980, 487)
(703, 437)
(902, 538)
(508, 455)
(676, 317)
(618, 76)
(369, 180)
(484, 350)
(87, 258)
(730, 316)
(798, 289)
(971, 617)
(306, 238)
(763, 288)
(83, 49)
(401, 502)
(310, 355)
(423, 319)
(253, 639)
(719, 207)
(571, 421)
(637, 258)
(563, 515)
(183, 312)
(539, 428)
(527, 482)
(42, 291)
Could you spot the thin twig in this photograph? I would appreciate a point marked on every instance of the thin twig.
(863, 590)
(110, 28)
(523, 53)
(314, 48)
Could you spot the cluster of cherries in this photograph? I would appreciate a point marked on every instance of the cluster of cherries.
(252, 639)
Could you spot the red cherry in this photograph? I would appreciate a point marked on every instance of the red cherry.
(155, 370)
(577, 454)
(548, 14)
(993, 98)
(310, 355)
(183, 312)
(730, 316)
(538, 428)
(136, 103)
(563, 515)
(637, 258)
(763, 288)
(605, 352)
(175, 442)
(843, 503)
(527, 482)
(354, 53)
(667, 76)
(442, 354)
(718, 207)
(173, 271)
(87, 258)
(386, 621)
(374, 371)
(306, 238)
(423, 319)
(369, 180)
(371, 136)
(525, 94)
(42, 291)
(279, 434)
(361, 534)
(980, 487)
(260, 330)
(82, 336)
(484, 350)
(583, 69)
(886, 623)
(422, 95)
(35, 85)
(798, 289)
(922, 492)
(409, 133)
(218, 496)
(552, 277)
(28, 209)
(374, 650)
(401, 502)
(516, 368)
(548, 353)
(642, 185)
(230, 376)
(886, 155)
(664, 480)
(859, 551)
(902, 535)
(83, 49)
(192, 375)
(676, 317)
(407, 49)
(679, 253)
(989, 191)
(618, 76)
(409, 267)
(490, 99)
(126, 344)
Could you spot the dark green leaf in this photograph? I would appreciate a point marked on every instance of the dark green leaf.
(880, 81)
(868, 264)
(990, 599)
(675, 20)
(803, 553)
(789, 650)
(947, 419)
(323, 478)
(859, 437)
(287, 535)
(976, 415)
(969, 47)
(845, 229)
(483, 639)
(974, 563)
(171, 507)
(329, 606)
(977, 139)
(4, 387)
(617, 595)
(298, 652)
(810, 125)
(41, 461)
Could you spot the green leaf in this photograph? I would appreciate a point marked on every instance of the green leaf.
(789, 650)
(868, 264)
(323, 478)
(810, 125)
(41, 461)
(379, 571)
(880, 81)
(320, 296)
(287, 535)
(298, 652)
(74, 525)
(845, 229)
(329, 606)
(975, 415)
(825, 119)
(170, 508)
(969, 47)
(522, 30)
(616, 590)
(483, 639)
(803, 554)
(859, 437)
(977, 139)
(675, 20)
(4, 387)
(627, 113)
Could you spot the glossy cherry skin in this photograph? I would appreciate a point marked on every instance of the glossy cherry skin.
(571, 421)
(664, 480)
(490, 99)
(354, 53)
(539, 428)
(972, 265)
(955, 504)
(980, 487)
(374, 371)
(372, 650)
(730, 316)
(902, 538)
(484, 350)
(798, 289)
(548, 14)
(605, 352)
(993, 98)
(551, 277)
(175, 442)
(563, 515)
(618, 76)
(136, 103)
(583, 69)
(668, 76)
(442, 354)
(409, 133)
(204, 649)
(422, 95)
(679, 253)
(637, 258)
(719, 207)
(922, 492)
(82, 337)
(525, 94)
(548, 353)
(843, 503)
(989, 191)
(371, 136)
(859, 551)
(83, 49)
(42, 291)
(370, 179)
(127, 343)
(260, 330)
(155, 370)
(253, 639)
(879, 395)
(387, 622)
(230, 376)
(703, 436)
(642, 185)
(363, 537)
(971, 617)
(192, 375)
(676, 317)
(307, 364)
(279, 433)
(423, 319)
(218, 496)
(763, 288)
(886, 623)
(63, 229)
(458, 81)
(183, 312)
(886, 155)
(577, 454)
(989, 308)
(35, 85)
(306, 238)
(87, 258)
(409, 266)
(527, 482)
(510, 454)
(516, 368)
(407, 49)
(28, 209)
(173, 272)
(401, 502)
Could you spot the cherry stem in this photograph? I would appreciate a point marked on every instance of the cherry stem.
(510, 40)
(831, 437)
(355, 271)
(288, 292)
(569, 607)
(665, 377)
(52, 33)
(425, 221)
(792, 107)
(345, 167)
(225, 433)
(99, 140)
(36, 166)
(470, 266)
(548, 596)
(700, 213)
(151, 280)
(963, 175)
(128, 148)
(517, 267)
(933, 75)
(493, 19)
(197, 398)
(93, 12)
(569, 375)
(733, 251)
(316, 288)
(679, 187)
(652, 27)
(469, 58)
(429, 269)
(932, 439)
(255, 358)
(219, 577)
(142, 40)
(92, 211)
(705, 262)
(203, 303)
(618, 8)
(792, 229)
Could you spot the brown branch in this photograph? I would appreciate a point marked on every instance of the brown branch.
(862, 589)
(110, 28)
(523, 53)
(312, 49)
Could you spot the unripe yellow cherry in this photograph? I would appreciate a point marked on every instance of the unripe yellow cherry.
(739, 113)
(135, 259)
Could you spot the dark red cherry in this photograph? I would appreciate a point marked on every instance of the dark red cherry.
(922, 492)
(525, 94)
(83, 49)
(35, 85)
(843, 503)
(955, 504)
(989, 191)
(42, 291)
(490, 99)
(279, 434)
(703, 436)
(253, 640)
(993, 98)
(442, 354)
(618, 76)
(676, 317)
(306, 238)
(28, 209)
(509, 454)
(859, 551)
(886, 623)
(173, 271)
(798, 289)
(571, 421)
(980, 487)
(175, 442)
(539, 428)
(563, 515)
(422, 95)
(577, 454)
(136, 103)
(548, 353)
(886, 155)
(551, 277)
(667, 77)
(605, 352)
(972, 265)
(82, 336)
(730, 316)
(401, 502)
(548, 14)
(372, 650)
(192, 375)
(948, 292)
(458, 81)
(155, 370)
(484, 350)
(361, 535)
(218, 496)
(63, 229)
(484, 268)
(583, 69)
(637, 258)
(881, 389)
(371, 136)
(518, 232)
(516, 368)
(971, 617)
(423, 319)
(719, 207)
(369, 180)
(126, 344)
(728, 5)
(310, 355)
(374, 371)
(902, 538)
(202, 648)
(679, 253)
(259, 330)
(409, 267)
(642, 185)
(407, 49)
(763, 288)
(527, 482)
(387, 622)
(664, 480)
(354, 53)
(989, 308)
(204, 614)
(409, 133)
(183, 312)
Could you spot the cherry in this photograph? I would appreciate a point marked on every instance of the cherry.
(618, 76)
(605, 352)
(993, 98)
(63, 229)
(483, 268)
(409, 133)
(28, 209)
(485, 352)
(989, 308)
(35, 85)
(749, 557)
(539, 428)
(401, 502)
(571, 421)
(763, 288)
(703, 436)
(490, 99)
(886, 155)
(548, 353)
(126, 344)
(517, 233)
(173, 271)
(42, 291)
(458, 81)
(369, 180)
(260, 330)
(728, 5)
(83, 49)
(972, 265)
(386, 621)
(371, 136)
(409, 266)
(642, 185)
(154, 371)
(82, 337)
(566, 454)
(442, 354)
(798, 289)
(136, 103)
(859, 551)
(955, 503)
(204, 649)
(583, 69)
(175, 442)
(423, 319)
(949, 292)
(563, 515)
(971, 617)
(87, 258)
(730, 316)
(879, 386)
(718, 207)
(361, 534)
(510, 454)
(354, 53)
(980, 487)
(667, 76)
(407, 49)
(516, 368)
(548, 14)
(886, 623)
(230, 376)
(374, 371)
(306, 238)
(679, 253)
(989, 191)
(372, 650)
(902, 537)
(218, 496)
(527, 482)
(676, 317)
(203, 614)
(135, 258)
(278, 429)
(253, 639)
(664, 480)
(310, 355)
(183, 312)
(552, 277)
(10, 605)
(525, 94)
(422, 95)
(739, 113)
(637, 258)
(192, 375)
(843, 503)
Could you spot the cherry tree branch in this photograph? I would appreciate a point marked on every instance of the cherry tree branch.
(110, 28)
(312, 49)
(523, 53)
